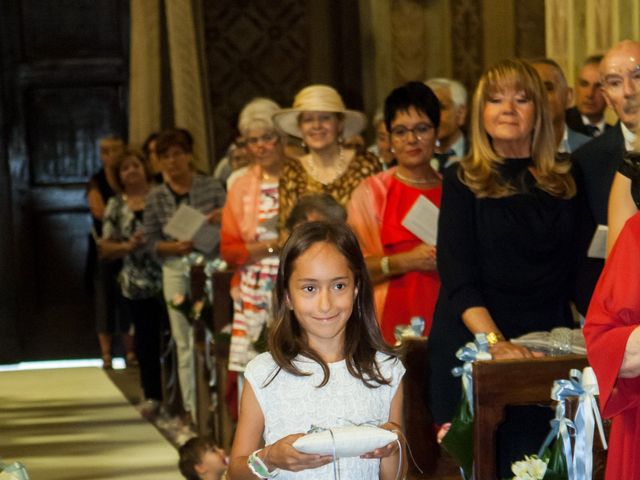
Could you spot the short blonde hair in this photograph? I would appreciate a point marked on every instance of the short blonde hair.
(479, 170)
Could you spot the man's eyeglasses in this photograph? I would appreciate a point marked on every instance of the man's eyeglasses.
(269, 138)
(420, 131)
(615, 81)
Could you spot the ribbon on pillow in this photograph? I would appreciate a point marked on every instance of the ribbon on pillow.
(472, 351)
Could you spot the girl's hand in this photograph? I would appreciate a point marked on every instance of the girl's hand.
(386, 451)
(390, 448)
(282, 455)
(507, 350)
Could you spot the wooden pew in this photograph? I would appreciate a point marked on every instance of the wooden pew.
(498, 383)
(212, 418)
(421, 436)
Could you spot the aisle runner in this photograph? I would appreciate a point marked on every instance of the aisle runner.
(74, 424)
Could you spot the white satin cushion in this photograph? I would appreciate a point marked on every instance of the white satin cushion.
(350, 441)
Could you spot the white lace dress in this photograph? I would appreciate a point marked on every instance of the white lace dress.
(292, 404)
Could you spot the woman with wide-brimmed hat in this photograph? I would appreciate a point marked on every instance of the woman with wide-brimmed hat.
(320, 119)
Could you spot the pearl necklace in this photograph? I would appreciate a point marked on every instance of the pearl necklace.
(421, 181)
(337, 171)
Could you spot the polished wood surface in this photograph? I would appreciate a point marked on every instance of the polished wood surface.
(498, 383)
(431, 461)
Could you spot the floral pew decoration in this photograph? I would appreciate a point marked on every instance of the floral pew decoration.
(560, 460)
(457, 437)
(198, 309)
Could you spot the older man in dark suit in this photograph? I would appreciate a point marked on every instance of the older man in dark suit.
(559, 95)
(587, 116)
(599, 159)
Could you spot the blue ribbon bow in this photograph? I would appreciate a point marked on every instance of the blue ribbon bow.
(472, 351)
(580, 463)
(561, 425)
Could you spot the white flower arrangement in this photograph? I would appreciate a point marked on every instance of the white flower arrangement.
(531, 468)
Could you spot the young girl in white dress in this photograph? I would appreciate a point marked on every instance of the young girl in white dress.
(327, 365)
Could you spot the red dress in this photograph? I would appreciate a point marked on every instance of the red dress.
(414, 293)
(613, 314)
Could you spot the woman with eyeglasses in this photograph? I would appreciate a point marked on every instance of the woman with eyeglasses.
(402, 267)
(249, 236)
(319, 118)
(512, 229)
(182, 186)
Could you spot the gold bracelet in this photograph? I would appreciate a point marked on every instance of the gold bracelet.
(494, 337)
(384, 266)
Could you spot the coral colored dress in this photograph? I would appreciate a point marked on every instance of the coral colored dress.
(376, 212)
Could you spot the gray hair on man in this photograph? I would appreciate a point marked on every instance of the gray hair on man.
(458, 93)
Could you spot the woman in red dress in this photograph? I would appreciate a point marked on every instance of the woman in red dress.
(612, 334)
(401, 265)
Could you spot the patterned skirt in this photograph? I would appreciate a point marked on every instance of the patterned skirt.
(252, 311)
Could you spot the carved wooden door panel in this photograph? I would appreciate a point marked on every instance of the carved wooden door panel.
(65, 77)
(273, 49)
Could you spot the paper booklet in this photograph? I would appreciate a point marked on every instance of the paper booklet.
(187, 223)
(422, 220)
(598, 247)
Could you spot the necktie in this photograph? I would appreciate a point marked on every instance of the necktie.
(443, 158)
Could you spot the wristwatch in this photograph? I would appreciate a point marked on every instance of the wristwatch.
(494, 337)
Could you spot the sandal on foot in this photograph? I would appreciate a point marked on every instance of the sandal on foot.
(130, 360)
(106, 362)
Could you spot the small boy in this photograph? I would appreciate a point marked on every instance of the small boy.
(201, 459)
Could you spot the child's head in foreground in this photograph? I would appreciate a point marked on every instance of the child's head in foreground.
(318, 256)
(200, 458)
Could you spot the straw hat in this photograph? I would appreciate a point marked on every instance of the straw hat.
(319, 98)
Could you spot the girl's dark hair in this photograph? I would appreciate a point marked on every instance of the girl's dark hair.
(412, 94)
(362, 334)
(174, 137)
(319, 203)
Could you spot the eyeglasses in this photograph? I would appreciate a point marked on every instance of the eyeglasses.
(269, 138)
(420, 131)
(615, 81)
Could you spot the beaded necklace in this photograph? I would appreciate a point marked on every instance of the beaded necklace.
(339, 168)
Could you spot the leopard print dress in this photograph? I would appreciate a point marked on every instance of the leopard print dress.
(296, 182)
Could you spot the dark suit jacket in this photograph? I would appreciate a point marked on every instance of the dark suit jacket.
(598, 160)
(574, 122)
